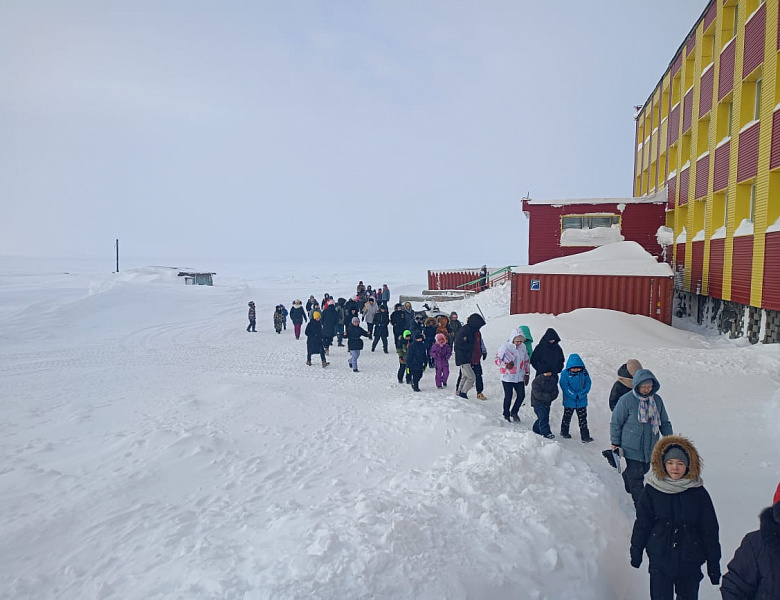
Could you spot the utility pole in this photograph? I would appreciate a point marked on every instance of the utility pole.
(117, 255)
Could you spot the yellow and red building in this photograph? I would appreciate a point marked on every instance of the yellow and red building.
(710, 133)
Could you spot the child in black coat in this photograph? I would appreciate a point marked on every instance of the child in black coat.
(544, 390)
(417, 359)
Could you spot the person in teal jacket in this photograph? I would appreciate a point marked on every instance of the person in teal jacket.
(529, 340)
(575, 385)
(638, 421)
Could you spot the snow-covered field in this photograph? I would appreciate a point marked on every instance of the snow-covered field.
(151, 448)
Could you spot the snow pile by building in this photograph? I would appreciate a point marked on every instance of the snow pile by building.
(598, 236)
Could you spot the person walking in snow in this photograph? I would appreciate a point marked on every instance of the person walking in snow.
(467, 345)
(309, 304)
(369, 312)
(483, 278)
(638, 421)
(401, 350)
(354, 343)
(252, 317)
(340, 323)
(398, 321)
(529, 340)
(410, 324)
(314, 339)
(514, 367)
(329, 318)
(754, 572)
(455, 326)
(676, 523)
(385, 295)
(440, 355)
(544, 390)
(547, 357)
(417, 359)
(476, 365)
(575, 385)
(429, 332)
(625, 381)
(284, 316)
(381, 320)
(297, 316)
(278, 318)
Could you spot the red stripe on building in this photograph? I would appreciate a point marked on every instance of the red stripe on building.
(690, 45)
(726, 76)
(754, 41)
(742, 269)
(715, 272)
(671, 190)
(674, 125)
(705, 92)
(720, 176)
(771, 292)
(676, 64)
(702, 173)
(679, 261)
(709, 17)
(683, 186)
(697, 266)
(747, 160)
(687, 111)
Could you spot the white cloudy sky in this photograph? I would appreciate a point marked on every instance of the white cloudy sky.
(305, 130)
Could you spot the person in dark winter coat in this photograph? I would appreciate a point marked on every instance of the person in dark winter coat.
(314, 339)
(340, 322)
(638, 421)
(440, 355)
(297, 316)
(381, 320)
(417, 359)
(310, 303)
(575, 385)
(284, 315)
(455, 326)
(547, 356)
(624, 383)
(754, 572)
(676, 523)
(429, 331)
(398, 321)
(466, 344)
(329, 318)
(544, 390)
(401, 350)
(278, 318)
(252, 318)
(354, 343)
(409, 314)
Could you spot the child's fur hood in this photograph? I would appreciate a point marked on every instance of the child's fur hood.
(666, 442)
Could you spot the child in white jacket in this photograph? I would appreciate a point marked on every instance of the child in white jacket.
(514, 366)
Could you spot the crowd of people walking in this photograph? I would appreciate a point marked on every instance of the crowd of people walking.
(676, 524)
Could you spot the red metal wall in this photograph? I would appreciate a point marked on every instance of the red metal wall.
(451, 280)
(683, 179)
(726, 73)
(679, 262)
(702, 172)
(697, 266)
(742, 269)
(639, 224)
(771, 291)
(636, 295)
(715, 272)
(687, 111)
(709, 17)
(754, 41)
(671, 190)
(774, 159)
(720, 176)
(747, 159)
(705, 98)
(674, 125)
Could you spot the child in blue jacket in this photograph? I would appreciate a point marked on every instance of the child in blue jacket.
(575, 385)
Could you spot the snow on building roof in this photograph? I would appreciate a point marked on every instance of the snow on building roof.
(659, 197)
(620, 258)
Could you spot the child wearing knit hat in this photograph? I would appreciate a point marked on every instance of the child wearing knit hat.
(675, 522)
(754, 572)
(440, 355)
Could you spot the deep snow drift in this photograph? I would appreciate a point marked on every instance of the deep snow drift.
(154, 449)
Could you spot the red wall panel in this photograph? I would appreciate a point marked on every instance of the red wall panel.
(754, 41)
(726, 77)
(705, 92)
(639, 223)
(747, 159)
(676, 64)
(697, 266)
(679, 261)
(674, 125)
(556, 294)
(742, 269)
(687, 111)
(720, 176)
(774, 158)
(771, 291)
(671, 190)
(702, 173)
(710, 15)
(452, 280)
(690, 45)
(715, 271)
(682, 185)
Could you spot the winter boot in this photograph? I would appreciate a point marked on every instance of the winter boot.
(481, 396)
(515, 418)
(585, 435)
(326, 350)
(565, 434)
(308, 363)
(325, 363)
(463, 395)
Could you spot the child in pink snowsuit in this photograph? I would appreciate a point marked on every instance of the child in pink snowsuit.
(440, 353)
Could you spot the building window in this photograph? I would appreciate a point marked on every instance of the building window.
(589, 221)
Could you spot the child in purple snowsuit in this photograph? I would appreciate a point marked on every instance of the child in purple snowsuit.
(440, 354)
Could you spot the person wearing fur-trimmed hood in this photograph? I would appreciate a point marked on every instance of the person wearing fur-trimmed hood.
(514, 367)
(638, 421)
(676, 523)
(754, 572)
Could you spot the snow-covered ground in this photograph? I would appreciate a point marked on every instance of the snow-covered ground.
(151, 448)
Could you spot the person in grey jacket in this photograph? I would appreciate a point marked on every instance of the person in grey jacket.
(638, 421)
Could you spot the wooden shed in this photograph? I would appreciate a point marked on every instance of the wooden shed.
(619, 276)
(197, 278)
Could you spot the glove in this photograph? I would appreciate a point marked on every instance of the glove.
(714, 575)
(484, 355)
(510, 365)
(636, 558)
(526, 379)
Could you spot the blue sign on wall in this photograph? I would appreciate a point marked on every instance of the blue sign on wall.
(536, 285)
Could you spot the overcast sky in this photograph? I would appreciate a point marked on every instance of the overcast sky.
(316, 130)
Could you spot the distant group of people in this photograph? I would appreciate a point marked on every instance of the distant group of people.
(676, 525)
